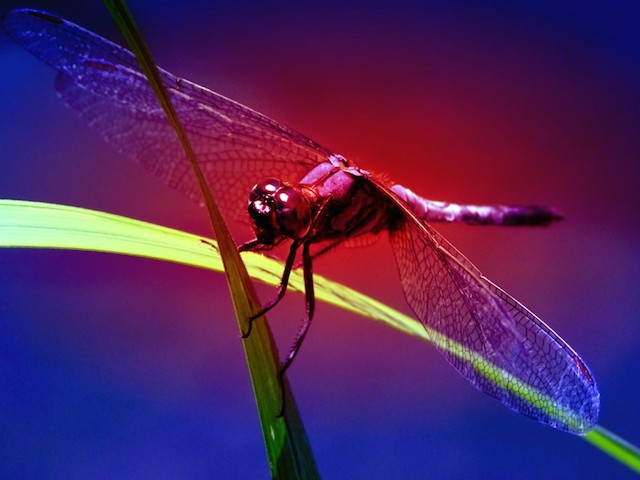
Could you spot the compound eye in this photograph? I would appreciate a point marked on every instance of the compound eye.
(266, 187)
(262, 216)
(293, 212)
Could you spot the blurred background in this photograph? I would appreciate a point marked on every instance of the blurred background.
(116, 367)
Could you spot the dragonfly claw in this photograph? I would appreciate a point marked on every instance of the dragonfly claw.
(245, 335)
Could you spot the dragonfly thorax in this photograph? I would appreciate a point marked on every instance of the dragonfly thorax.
(278, 210)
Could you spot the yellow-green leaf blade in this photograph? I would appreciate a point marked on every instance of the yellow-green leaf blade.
(40, 225)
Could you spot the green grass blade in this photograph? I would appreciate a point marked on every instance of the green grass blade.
(288, 449)
(615, 446)
(41, 225)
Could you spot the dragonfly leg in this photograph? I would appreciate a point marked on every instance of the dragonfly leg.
(310, 299)
(282, 288)
(250, 246)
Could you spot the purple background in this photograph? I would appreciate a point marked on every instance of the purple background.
(116, 367)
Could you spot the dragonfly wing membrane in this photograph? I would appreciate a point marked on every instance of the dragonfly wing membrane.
(489, 337)
(102, 82)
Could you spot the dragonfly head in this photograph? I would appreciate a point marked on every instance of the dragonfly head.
(278, 210)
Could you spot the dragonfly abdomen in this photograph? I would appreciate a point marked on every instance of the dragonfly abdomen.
(501, 215)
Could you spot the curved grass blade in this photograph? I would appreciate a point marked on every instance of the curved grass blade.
(615, 446)
(288, 449)
(41, 225)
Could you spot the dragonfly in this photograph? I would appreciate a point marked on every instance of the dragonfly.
(304, 194)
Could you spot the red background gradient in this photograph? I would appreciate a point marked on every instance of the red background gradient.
(130, 368)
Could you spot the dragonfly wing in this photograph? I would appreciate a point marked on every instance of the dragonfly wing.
(235, 145)
(488, 336)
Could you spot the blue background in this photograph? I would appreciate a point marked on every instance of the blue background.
(114, 367)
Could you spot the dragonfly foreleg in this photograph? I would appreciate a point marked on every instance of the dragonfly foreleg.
(256, 246)
(282, 288)
(250, 246)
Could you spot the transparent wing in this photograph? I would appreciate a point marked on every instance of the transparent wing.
(235, 145)
(488, 336)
